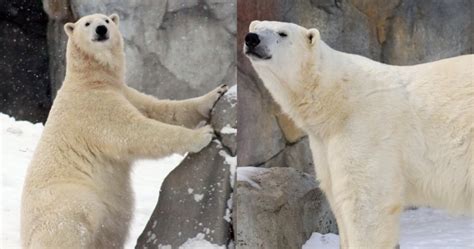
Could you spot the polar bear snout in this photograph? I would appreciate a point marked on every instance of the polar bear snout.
(251, 40)
(101, 32)
(254, 48)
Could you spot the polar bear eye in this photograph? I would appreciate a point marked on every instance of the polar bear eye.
(107, 20)
(282, 34)
(87, 24)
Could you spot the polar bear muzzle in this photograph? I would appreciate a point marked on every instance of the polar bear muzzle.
(252, 48)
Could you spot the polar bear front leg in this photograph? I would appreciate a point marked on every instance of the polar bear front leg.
(189, 112)
(141, 137)
(366, 195)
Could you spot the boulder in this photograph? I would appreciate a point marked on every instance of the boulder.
(278, 208)
(196, 197)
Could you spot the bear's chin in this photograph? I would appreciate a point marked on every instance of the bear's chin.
(257, 57)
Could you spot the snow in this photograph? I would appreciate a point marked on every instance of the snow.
(232, 92)
(198, 197)
(424, 228)
(228, 130)
(245, 174)
(147, 177)
(232, 162)
(18, 140)
(199, 242)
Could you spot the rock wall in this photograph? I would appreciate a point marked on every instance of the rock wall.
(174, 49)
(24, 79)
(400, 32)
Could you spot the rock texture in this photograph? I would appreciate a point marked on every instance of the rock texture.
(400, 32)
(196, 196)
(24, 79)
(281, 207)
(174, 49)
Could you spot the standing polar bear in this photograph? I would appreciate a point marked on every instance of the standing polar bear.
(383, 137)
(77, 191)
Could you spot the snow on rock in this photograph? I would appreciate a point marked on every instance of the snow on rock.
(422, 228)
(227, 129)
(18, 140)
(199, 242)
(232, 162)
(198, 197)
(245, 174)
(231, 93)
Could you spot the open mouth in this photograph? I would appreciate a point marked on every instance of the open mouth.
(255, 55)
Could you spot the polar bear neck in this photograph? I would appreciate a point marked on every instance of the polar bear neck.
(106, 68)
(317, 99)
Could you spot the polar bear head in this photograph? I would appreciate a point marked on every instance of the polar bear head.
(97, 36)
(279, 47)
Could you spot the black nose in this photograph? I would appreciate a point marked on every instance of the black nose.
(251, 40)
(101, 30)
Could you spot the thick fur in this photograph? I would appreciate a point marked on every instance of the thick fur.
(77, 191)
(383, 137)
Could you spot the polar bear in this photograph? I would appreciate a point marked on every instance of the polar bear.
(77, 191)
(383, 137)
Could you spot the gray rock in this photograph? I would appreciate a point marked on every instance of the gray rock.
(278, 208)
(224, 120)
(174, 49)
(196, 197)
(297, 156)
(423, 31)
(259, 138)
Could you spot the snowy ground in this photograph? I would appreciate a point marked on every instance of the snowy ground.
(423, 228)
(18, 140)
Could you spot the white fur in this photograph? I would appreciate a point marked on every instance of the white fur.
(77, 191)
(383, 137)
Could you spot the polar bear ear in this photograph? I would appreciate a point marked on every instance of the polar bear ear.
(115, 18)
(69, 28)
(313, 36)
(253, 24)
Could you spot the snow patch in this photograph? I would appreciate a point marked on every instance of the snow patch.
(232, 92)
(199, 242)
(245, 174)
(420, 228)
(198, 197)
(227, 129)
(232, 162)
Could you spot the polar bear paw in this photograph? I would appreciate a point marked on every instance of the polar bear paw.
(209, 100)
(202, 137)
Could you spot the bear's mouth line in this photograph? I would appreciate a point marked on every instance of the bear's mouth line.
(101, 38)
(253, 54)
